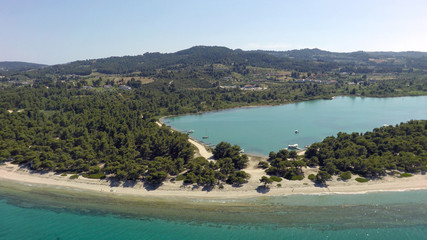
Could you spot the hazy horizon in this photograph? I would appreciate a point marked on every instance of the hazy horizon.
(57, 32)
(205, 46)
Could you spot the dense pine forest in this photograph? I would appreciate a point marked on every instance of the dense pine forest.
(98, 117)
(373, 154)
(383, 151)
(109, 134)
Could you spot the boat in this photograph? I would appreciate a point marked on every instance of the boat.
(242, 151)
(296, 131)
(206, 134)
(190, 131)
(293, 146)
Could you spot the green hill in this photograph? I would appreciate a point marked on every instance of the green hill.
(18, 66)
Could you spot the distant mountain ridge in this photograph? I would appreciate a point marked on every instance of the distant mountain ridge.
(318, 54)
(18, 66)
(303, 60)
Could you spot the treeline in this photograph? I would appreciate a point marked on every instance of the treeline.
(190, 59)
(226, 168)
(284, 164)
(197, 63)
(97, 135)
(384, 151)
(109, 134)
(373, 154)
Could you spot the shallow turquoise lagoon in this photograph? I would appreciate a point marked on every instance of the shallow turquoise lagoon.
(260, 130)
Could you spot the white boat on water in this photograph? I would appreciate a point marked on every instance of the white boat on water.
(190, 131)
(293, 146)
(296, 131)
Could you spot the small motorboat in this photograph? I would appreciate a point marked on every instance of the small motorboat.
(293, 146)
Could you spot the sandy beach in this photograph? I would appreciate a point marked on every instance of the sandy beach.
(10, 172)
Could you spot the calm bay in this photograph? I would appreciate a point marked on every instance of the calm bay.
(260, 130)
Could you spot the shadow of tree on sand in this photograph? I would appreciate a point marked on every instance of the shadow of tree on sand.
(321, 185)
(151, 186)
(262, 189)
(208, 188)
(114, 182)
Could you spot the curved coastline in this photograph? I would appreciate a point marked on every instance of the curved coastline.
(312, 210)
(253, 189)
(171, 189)
(263, 149)
(161, 119)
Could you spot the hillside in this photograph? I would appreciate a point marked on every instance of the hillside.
(19, 66)
(209, 67)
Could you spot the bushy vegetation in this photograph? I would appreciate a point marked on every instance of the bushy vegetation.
(266, 180)
(276, 179)
(74, 176)
(362, 180)
(79, 133)
(226, 168)
(373, 154)
(105, 134)
(283, 164)
(345, 175)
(263, 164)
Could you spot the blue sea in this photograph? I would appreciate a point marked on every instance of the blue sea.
(40, 212)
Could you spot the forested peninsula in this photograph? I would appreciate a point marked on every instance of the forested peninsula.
(97, 118)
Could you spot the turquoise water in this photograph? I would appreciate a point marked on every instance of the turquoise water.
(41, 213)
(260, 130)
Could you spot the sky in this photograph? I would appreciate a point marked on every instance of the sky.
(61, 31)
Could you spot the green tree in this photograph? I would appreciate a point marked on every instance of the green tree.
(266, 180)
(322, 177)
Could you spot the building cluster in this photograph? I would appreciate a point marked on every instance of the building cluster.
(251, 87)
(124, 87)
(315, 81)
(245, 87)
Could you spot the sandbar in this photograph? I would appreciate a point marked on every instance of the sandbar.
(253, 188)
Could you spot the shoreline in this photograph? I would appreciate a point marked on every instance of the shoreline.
(252, 189)
(162, 120)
